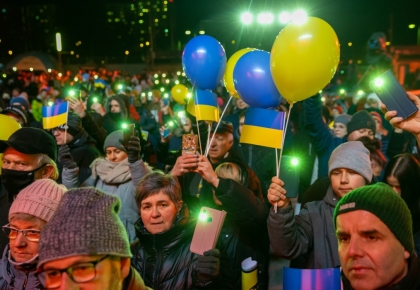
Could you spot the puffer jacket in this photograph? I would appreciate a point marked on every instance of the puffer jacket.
(129, 212)
(165, 262)
(308, 237)
(12, 278)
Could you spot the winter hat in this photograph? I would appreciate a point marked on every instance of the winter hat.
(86, 223)
(351, 155)
(343, 119)
(380, 200)
(20, 100)
(361, 120)
(39, 199)
(74, 124)
(113, 140)
(18, 111)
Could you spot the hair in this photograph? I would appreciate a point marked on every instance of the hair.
(28, 218)
(406, 168)
(232, 171)
(155, 182)
(374, 147)
(45, 159)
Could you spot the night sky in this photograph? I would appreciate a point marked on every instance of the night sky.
(353, 20)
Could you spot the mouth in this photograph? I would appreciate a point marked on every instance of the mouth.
(358, 270)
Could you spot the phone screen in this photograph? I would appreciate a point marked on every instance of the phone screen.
(289, 174)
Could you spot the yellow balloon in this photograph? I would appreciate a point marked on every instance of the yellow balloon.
(230, 66)
(304, 58)
(8, 126)
(179, 93)
(191, 106)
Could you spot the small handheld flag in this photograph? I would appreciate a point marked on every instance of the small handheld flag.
(263, 127)
(54, 116)
(206, 106)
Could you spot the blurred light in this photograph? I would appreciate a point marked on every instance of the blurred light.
(201, 32)
(95, 99)
(170, 123)
(350, 43)
(149, 94)
(177, 82)
(31, 69)
(388, 43)
(411, 26)
(147, 43)
(247, 18)
(58, 41)
(49, 70)
(166, 30)
(50, 103)
(359, 61)
(233, 41)
(95, 77)
(164, 75)
(155, 75)
(189, 95)
(299, 16)
(72, 93)
(323, 99)
(265, 18)
(124, 126)
(342, 71)
(166, 95)
(10, 52)
(162, 89)
(183, 74)
(294, 161)
(72, 52)
(378, 82)
(167, 81)
(5, 75)
(77, 56)
(60, 75)
(360, 92)
(156, 82)
(320, 91)
(120, 87)
(285, 17)
(181, 114)
(342, 91)
(14, 68)
(143, 94)
(187, 32)
(127, 52)
(76, 79)
(141, 44)
(203, 216)
(178, 73)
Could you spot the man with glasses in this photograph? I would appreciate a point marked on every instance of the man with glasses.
(29, 213)
(85, 245)
(76, 147)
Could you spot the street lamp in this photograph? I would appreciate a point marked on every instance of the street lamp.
(59, 48)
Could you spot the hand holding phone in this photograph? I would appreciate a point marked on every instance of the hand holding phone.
(128, 132)
(189, 144)
(393, 95)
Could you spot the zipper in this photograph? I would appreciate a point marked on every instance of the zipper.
(158, 265)
(25, 281)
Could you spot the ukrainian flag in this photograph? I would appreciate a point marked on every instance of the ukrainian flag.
(206, 107)
(99, 83)
(54, 116)
(263, 127)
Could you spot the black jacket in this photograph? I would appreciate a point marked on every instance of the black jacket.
(83, 150)
(164, 260)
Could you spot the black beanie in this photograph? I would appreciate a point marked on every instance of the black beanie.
(74, 124)
(361, 120)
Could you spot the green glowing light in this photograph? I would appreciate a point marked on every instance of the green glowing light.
(181, 114)
(124, 126)
(294, 161)
(170, 123)
(342, 91)
(72, 93)
(378, 82)
(95, 100)
(203, 216)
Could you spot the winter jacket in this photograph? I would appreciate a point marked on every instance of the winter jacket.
(309, 236)
(411, 281)
(323, 141)
(92, 123)
(129, 212)
(165, 262)
(133, 281)
(12, 278)
(244, 232)
(83, 151)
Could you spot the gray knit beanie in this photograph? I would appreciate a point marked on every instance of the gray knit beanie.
(343, 119)
(113, 140)
(351, 155)
(85, 223)
(361, 120)
(39, 199)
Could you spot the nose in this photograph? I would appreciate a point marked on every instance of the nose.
(355, 248)
(155, 212)
(67, 283)
(344, 178)
(20, 241)
(113, 156)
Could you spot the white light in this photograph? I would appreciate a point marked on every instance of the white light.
(178, 73)
(166, 95)
(164, 75)
(58, 41)
(265, 18)
(187, 32)
(149, 94)
(162, 89)
(177, 82)
(60, 75)
(285, 17)
(247, 18)
(167, 81)
(201, 32)
(76, 79)
(299, 16)
(95, 77)
(183, 74)
(31, 69)
(49, 70)
(155, 75)
(14, 68)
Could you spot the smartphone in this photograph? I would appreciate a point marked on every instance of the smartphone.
(189, 144)
(207, 231)
(393, 95)
(290, 173)
(165, 133)
(128, 132)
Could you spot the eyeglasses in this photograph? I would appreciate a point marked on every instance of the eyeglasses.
(12, 233)
(79, 273)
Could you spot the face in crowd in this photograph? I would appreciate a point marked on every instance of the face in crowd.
(220, 146)
(115, 154)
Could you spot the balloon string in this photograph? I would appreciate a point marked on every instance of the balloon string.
(281, 150)
(196, 121)
(217, 126)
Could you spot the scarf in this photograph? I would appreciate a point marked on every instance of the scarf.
(111, 172)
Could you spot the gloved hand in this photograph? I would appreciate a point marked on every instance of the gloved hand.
(133, 149)
(65, 158)
(208, 266)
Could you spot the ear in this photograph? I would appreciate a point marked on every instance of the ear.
(125, 267)
(180, 203)
(406, 254)
(47, 171)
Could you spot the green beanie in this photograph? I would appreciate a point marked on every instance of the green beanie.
(380, 200)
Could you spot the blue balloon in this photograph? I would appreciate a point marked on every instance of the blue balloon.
(253, 81)
(204, 62)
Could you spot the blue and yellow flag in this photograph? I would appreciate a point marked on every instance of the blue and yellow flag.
(206, 106)
(263, 127)
(54, 116)
(99, 83)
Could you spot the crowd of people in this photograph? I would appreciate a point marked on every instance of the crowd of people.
(108, 200)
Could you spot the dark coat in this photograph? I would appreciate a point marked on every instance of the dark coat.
(83, 150)
(92, 123)
(164, 260)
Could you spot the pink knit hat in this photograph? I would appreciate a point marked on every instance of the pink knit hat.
(39, 199)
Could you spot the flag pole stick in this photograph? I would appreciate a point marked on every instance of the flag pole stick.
(65, 127)
(282, 144)
(217, 125)
(196, 121)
